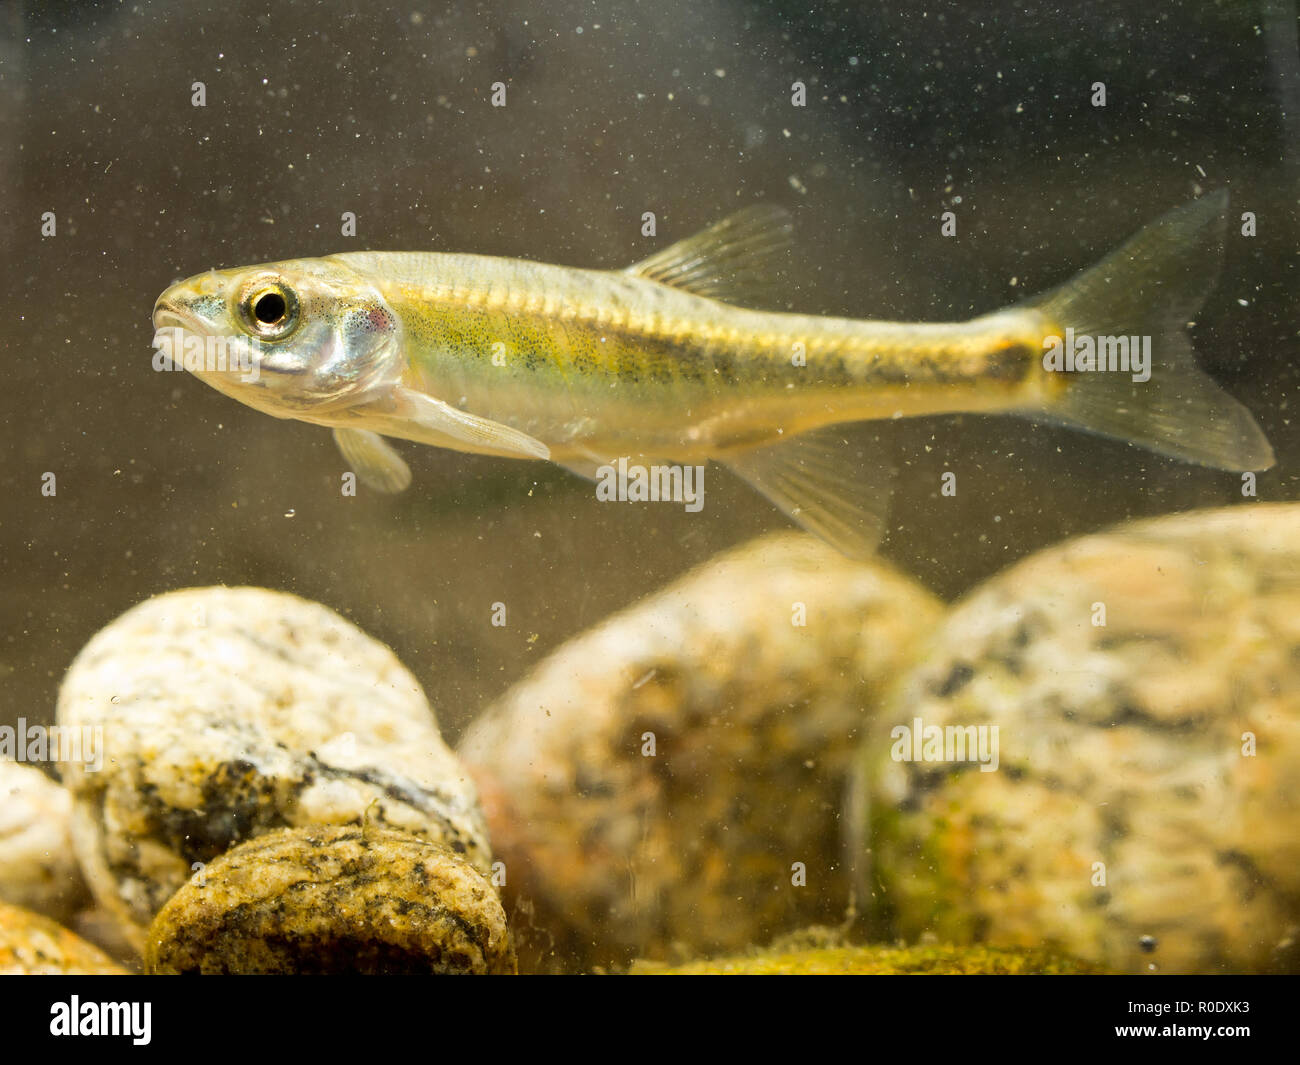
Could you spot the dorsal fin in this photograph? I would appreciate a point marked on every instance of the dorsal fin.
(738, 260)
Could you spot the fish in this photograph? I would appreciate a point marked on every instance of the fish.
(672, 361)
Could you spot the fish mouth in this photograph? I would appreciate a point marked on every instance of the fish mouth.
(168, 315)
(176, 329)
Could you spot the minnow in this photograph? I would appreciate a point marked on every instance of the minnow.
(659, 363)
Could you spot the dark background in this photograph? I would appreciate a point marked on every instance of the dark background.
(681, 107)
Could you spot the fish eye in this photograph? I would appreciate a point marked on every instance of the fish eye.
(269, 310)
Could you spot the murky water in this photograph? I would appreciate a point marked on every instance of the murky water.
(312, 110)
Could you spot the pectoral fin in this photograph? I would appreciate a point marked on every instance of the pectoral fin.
(590, 466)
(816, 479)
(373, 460)
(587, 469)
(481, 435)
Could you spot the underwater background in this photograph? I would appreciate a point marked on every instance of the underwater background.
(314, 109)
(683, 109)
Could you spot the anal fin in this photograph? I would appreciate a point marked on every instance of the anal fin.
(816, 480)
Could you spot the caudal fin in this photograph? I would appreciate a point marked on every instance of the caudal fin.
(1151, 287)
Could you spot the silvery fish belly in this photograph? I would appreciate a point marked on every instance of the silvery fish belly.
(664, 362)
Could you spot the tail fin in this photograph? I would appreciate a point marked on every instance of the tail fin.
(1152, 286)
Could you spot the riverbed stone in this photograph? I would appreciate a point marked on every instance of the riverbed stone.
(1144, 684)
(350, 899)
(33, 945)
(671, 781)
(38, 869)
(230, 712)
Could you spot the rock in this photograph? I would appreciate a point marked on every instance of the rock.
(231, 712)
(1143, 813)
(37, 867)
(99, 927)
(33, 945)
(333, 900)
(877, 961)
(664, 781)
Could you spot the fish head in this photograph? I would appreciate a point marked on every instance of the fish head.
(299, 339)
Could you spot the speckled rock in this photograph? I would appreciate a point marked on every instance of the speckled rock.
(37, 867)
(662, 782)
(333, 900)
(230, 712)
(1145, 809)
(33, 945)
